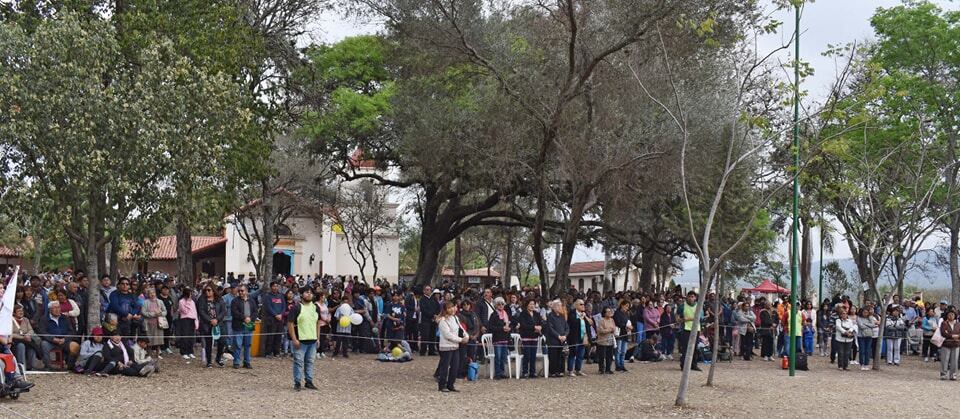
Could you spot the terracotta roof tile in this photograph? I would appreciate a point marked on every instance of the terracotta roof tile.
(472, 272)
(583, 267)
(6, 252)
(166, 246)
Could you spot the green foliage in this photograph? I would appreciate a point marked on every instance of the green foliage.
(112, 142)
(836, 281)
(349, 89)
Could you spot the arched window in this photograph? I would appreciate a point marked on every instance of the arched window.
(282, 230)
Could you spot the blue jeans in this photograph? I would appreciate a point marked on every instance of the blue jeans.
(621, 353)
(229, 333)
(529, 367)
(808, 344)
(303, 361)
(575, 359)
(500, 354)
(241, 343)
(866, 350)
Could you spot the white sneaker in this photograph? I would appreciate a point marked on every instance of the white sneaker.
(926, 359)
(186, 356)
(159, 357)
(854, 362)
(670, 357)
(192, 356)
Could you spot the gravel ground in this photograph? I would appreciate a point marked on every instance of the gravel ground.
(362, 387)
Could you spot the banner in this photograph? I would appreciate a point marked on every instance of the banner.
(7, 304)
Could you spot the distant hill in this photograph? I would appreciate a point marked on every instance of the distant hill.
(927, 272)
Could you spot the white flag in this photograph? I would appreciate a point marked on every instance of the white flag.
(7, 304)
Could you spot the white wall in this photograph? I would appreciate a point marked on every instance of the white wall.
(337, 260)
(306, 241)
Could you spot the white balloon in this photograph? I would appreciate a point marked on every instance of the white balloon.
(356, 319)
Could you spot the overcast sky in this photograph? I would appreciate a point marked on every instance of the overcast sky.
(823, 23)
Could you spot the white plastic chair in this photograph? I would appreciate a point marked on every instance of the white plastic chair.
(486, 341)
(516, 354)
(541, 343)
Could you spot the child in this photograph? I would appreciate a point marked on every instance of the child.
(140, 356)
(808, 335)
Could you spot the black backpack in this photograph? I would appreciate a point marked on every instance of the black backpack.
(802, 362)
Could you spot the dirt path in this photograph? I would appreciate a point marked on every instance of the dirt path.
(363, 387)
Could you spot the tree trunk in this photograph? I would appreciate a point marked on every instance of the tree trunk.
(457, 259)
(78, 256)
(716, 329)
(101, 249)
(184, 253)
(629, 265)
(646, 270)
(93, 291)
(507, 260)
(694, 330)
(427, 265)
(37, 253)
(268, 237)
(561, 280)
(955, 265)
(115, 256)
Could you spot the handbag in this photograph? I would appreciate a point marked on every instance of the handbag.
(162, 323)
(937, 338)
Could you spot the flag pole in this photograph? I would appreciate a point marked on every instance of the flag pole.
(794, 257)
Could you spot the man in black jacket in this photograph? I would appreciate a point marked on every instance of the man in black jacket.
(485, 309)
(210, 313)
(244, 312)
(412, 325)
(429, 309)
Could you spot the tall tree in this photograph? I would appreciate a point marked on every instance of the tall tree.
(915, 44)
(64, 84)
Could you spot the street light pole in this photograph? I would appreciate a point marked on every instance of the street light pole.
(794, 257)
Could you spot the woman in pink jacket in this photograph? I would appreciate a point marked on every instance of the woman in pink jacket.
(187, 324)
(651, 319)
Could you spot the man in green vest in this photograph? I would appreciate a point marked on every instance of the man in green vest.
(686, 314)
(303, 325)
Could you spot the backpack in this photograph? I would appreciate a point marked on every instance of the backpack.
(802, 362)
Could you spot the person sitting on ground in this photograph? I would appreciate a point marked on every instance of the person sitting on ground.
(648, 352)
(120, 360)
(90, 360)
(140, 355)
(388, 355)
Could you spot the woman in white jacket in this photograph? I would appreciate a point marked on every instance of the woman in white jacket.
(451, 335)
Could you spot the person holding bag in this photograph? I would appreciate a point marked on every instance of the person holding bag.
(451, 336)
(893, 333)
(154, 320)
(846, 331)
(950, 348)
(746, 321)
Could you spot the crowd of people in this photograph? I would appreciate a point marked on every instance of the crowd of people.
(143, 319)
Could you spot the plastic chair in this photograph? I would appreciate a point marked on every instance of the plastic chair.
(486, 341)
(541, 343)
(56, 358)
(516, 354)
